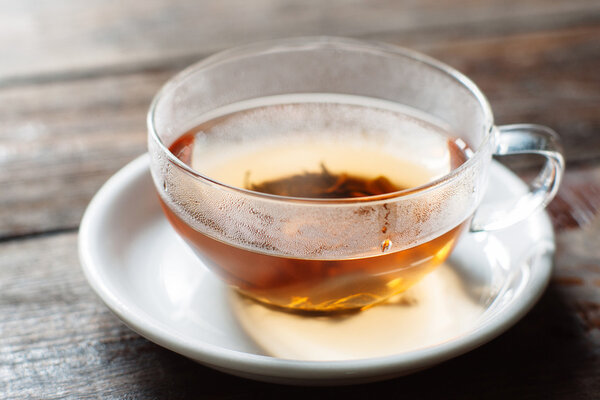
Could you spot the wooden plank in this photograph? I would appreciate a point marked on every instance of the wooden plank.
(62, 36)
(577, 203)
(545, 77)
(59, 141)
(57, 340)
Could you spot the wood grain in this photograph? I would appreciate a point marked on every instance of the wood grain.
(577, 204)
(546, 77)
(60, 142)
(64, 36)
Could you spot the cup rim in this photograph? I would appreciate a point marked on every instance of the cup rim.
(277, 45)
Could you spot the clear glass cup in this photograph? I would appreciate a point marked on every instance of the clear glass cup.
(331, 255)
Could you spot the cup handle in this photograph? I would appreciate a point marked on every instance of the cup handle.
(525, 139)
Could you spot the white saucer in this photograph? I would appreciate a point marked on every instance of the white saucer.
(148, 277)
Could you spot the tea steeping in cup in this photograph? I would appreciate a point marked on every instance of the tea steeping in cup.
(325, 174)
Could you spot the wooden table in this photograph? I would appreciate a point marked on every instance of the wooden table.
(76, 79)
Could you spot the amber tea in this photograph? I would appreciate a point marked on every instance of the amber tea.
(317, 147)
(328, 174)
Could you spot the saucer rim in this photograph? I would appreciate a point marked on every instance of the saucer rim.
(270, 368)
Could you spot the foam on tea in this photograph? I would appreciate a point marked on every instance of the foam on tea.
(323, 147)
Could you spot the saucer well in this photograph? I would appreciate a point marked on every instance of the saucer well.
(147, 276)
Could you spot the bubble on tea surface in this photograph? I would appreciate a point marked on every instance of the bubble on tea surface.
(386, 245)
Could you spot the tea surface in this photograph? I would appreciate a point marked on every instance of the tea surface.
(314, 143)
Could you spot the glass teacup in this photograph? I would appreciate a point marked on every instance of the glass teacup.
(239, 142)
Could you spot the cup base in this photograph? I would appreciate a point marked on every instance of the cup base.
(381, 291)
